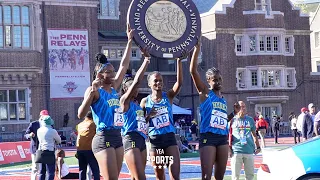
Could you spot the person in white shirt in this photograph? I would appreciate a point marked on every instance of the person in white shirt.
(48, 138)
(304, 110)
(295, 132)
(62, 169)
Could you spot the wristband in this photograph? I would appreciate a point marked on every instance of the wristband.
(258, 148)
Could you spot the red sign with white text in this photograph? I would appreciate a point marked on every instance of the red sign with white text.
(12, 152)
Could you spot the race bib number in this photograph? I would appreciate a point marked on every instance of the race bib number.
(161, 121)
(218, 122)
(118, 119)
(142, 127)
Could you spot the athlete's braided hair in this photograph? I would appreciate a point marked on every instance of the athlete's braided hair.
(127, 78)
(101, 61)
(211, 72)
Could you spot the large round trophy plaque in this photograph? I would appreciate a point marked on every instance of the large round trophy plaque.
(166, 27)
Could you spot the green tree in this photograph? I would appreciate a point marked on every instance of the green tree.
(302, 5)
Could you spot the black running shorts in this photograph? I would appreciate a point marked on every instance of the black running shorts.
(211, 139)
(162, 141)
(133, 140)
(106, 139)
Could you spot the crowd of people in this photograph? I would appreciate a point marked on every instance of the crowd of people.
(115, 126)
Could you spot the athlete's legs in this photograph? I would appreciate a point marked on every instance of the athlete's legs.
(174, 169)
(135, 164)
(207, 158)
(158, 172)
(106, 160)
(221, 161)
(144, 158)
(119, 156)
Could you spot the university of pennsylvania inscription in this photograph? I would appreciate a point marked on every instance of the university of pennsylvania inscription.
(167, 27)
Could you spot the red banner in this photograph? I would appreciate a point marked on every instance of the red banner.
(12, 152)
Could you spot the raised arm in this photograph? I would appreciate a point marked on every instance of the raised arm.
(89, 97)
(125, 99)
(124, 64)
(177, 86)
(201, 87)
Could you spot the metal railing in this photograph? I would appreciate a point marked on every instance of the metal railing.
(11, 136)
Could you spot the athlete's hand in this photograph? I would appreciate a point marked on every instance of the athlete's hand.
(152, 113)
(198, 45)
(184, 55)
(129, 32)
(96, 83)
(145, 51)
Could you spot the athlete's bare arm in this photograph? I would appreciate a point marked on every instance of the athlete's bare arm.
(124, 64)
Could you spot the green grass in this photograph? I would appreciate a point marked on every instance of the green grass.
(27, 164)
(189, 155)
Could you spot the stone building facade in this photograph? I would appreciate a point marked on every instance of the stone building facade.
(262, 50)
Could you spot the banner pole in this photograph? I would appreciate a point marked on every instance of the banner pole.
(46, 58)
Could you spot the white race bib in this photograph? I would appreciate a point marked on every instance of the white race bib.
(161, 121)
(218, 122)
(142, 126)
(118, 119)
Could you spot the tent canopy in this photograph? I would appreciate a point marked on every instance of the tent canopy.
(179, 110)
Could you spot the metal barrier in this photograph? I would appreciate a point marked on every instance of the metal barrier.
(285, 128)
(12, 136)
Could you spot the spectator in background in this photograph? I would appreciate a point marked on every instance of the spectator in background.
(295, 132)
(62, 169)
(262, 127)
(63, 138)
(48, 138)
(307, 126)
(86, 132)
(317, 124)
(193, 130)
(31, 133)
(73, 138)
(256, 118)
(65, 120)
(276, 128)
(267, 119)
(177, 126)
(291, 115)
(245, 143)
(312, 111)
(304, 110)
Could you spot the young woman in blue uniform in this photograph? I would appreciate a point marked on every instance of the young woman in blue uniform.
(161, 125)
(213, 141)
(135, 128)
(103, 100)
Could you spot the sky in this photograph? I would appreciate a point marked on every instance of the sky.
(307, 1)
